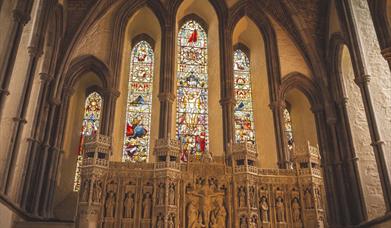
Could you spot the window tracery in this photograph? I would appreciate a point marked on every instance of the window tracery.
(139, 104)
(192, 90)
(90, 125)
(243, 115)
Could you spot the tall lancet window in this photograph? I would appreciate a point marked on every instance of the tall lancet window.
(90, 125)
(244, 119)
(288, 129)
(192, 90)
(139, 104)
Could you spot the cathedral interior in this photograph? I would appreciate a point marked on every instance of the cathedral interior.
(195, 113)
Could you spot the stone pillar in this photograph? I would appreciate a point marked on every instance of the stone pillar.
(94, 169)
(21, 15)
(386, 52)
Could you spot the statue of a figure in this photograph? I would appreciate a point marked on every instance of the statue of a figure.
(110, 203)
(128, 205)
(308, 199)
(221, 214)
(253, 223)
(147, 205)
(243, 222)
(171, 222)
(296, 210)
(161, 193)
(160, 222)
(171, 195)
(318, 198)
(97, 193)
(86, 190)
(264, 206)
(251, 197)
(280, 210)
(192, 214)
(242, 198)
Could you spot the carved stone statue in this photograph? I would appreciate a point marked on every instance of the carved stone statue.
(308, 199)
(242, 197)
(128, 205)
(171, 195)
(318, 198)
(161, 194)
(97, 193)
(110, 204)
(295, 210)
(243, 222)
(264, 206)
(253, 223)
(147, 206)
(86, 191)
(221, 214)
(280, 210)
(192, 214)
(252, 197)
(171, 222)
(160, 221)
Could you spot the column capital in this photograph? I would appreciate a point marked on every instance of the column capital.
(166, 97)
(276, 105)
(227, 100)
(45, 77)
(34, 51)
(363, 79)
(20, 16)
(386, 52)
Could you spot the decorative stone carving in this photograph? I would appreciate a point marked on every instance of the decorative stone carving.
(161, 194)
(86, 191)
(110, 205)
(295, 210)
(192, 214)
(308, 199)
(171, 221)
(264, 208)
(147, 205)
(318, 198)
(280, 215)
(252, 197)
(242, 197)
(129, 205)
(160, 221)
(97, 193)
(253, 222)
(171, 194)
(243, 222)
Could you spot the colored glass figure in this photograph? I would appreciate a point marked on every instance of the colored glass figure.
(192, 90)
(244, 119)
(288, 129)
(90, 126)
(139, 104)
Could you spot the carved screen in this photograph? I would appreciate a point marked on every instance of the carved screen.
(90, 125)
(244, 120)
(192, 90)
(139, 104)
(288, 129)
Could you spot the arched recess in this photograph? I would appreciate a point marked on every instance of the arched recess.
(381, 15)
(247, 33)
(86, 74)
(207, 15)
(264, 27)
(352, 130)
(133, 32)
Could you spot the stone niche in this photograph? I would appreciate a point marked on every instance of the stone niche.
(205, 193)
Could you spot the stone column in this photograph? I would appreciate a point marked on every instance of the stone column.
(21, 15)
(386, 52)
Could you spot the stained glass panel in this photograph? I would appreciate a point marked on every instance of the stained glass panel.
(288, 129)
(90, 125)
(192, 90)
(244, 120)
(139, 104)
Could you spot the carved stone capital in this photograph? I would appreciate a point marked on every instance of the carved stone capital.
(45, 77)
(20, 16)
(21, 120)
(166, 97)
(386, 52)
(363, 79)
(34, 51)
(4, 92)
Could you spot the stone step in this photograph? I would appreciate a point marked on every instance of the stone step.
(44, 225)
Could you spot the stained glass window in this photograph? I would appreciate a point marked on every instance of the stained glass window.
(244, 120)
(192, 90)
(139, 104)
(288, 129)
(90, 125)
